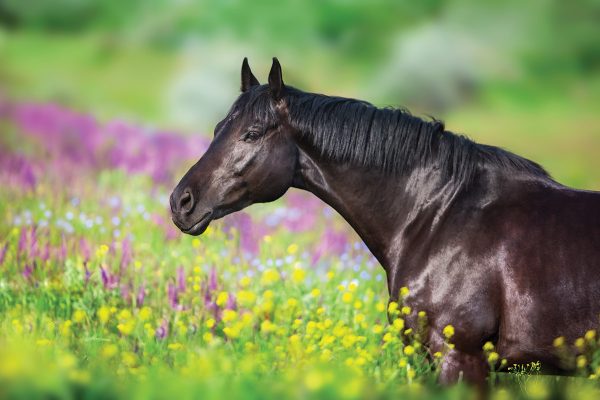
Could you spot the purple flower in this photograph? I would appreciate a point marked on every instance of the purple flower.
(163, 330)
(62, 255)
(27, 271)
(212, 280)
(88, 273)
(332, 242)
(22, 241)
(46, 254)
(231, 303)
(180, 279)
(125, 289)
(85, 249)
(109, 281)
(3, 251)
(126, 254)
(141, 295)
(173, 296)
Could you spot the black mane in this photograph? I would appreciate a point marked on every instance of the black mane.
(391, 140)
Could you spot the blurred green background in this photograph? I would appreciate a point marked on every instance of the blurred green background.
(521, 75)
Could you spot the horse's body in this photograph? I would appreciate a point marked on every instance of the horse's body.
(484, 240)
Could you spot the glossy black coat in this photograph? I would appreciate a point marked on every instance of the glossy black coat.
(510, 257)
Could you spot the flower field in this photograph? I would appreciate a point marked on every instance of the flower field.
(102, 297)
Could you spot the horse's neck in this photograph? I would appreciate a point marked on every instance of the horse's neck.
(380, 207)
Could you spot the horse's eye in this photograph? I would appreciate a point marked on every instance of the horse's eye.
(251, 136)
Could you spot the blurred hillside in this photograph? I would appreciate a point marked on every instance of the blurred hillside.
(522, 75)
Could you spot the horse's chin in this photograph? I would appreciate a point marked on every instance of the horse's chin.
(199, 227)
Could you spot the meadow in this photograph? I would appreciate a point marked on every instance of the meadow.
(102, 297)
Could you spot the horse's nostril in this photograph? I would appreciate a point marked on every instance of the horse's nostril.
(186, 202)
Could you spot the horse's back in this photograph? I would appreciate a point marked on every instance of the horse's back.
(551, 280)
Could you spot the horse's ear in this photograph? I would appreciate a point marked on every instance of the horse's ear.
(276, 80)
(248, 78)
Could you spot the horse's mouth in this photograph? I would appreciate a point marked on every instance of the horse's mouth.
(199, 227)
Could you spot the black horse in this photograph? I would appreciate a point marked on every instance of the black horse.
(484, 239)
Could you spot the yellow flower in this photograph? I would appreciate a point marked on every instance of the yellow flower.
(358, 318)
(581, 362)
(126, 327)
(398, 324)
(380, 306)
(409, 350)
(559, 341)
(232, 332)
(438, 354)
(102, 250)
(267, 326)
(590, 335)
(267, 306)
(79, 316)
(406, 310)
(125, 314)
(325, 355)
(402, 363)
(392, 307)
(448, 331)
(269, 276)
(196, 243)
(229, 315)
(388, 337)
(358, 304)
(298, 275)
(352, 286)
(103, 314)
(207, 337)
(65, 328)
(245, 281)
(292, 248)
(377, 329)
(247, 319)
(404, 292)
(580, 343)
(488, 346)
(422, 314)
(347, 297)
(109, 351)
(493, 357)
(267, 239)
(175, 346)
(129, 358)
(315, 292)
(145, 313)
(246, 298)
(222, 298)
(210, 323)
(295, 339)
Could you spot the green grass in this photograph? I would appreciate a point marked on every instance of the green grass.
(90, 72)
